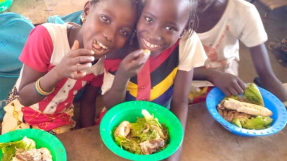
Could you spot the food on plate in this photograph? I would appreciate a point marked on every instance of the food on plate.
(247, 111)
(123, 129)
(145, 136)
(42, 154)
(245, 107)
(24, 150)
(253, 95)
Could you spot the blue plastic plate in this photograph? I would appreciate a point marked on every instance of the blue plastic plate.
(271, 102)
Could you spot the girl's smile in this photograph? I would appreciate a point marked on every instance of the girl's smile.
(161, 24)
(149, 45)
(99, 48)
(108, 25)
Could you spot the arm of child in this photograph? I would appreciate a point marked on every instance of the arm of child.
(27, 92)
(128, 68)
(266, 75)
(67, 68)
(179, 103)
(88, 105)
(117, 93)
(228, 83)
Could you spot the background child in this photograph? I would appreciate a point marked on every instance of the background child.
(222, 24)
(164, 75)
(60, 59)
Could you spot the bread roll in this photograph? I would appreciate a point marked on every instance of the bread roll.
(247, 108)
(123, 129)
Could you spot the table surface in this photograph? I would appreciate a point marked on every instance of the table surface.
(39, 10)
(205, 140)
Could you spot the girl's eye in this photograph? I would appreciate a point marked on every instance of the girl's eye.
(124, 32)
(169, 28)
(148, 19)
(106, 19)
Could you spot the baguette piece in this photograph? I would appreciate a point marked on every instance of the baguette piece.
(247, 108)
(123, 129)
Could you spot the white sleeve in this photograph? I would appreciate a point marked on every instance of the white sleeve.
(253, 32)
(107, 82)
(191, 53)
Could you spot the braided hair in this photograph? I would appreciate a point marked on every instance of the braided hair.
(192, 22)
(136, 3)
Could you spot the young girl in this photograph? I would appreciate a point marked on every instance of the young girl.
(222, 24)
(60, 59)
(164, 75)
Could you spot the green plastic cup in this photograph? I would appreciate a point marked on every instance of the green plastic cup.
(129, 111)
(42, 138)
(5, 4)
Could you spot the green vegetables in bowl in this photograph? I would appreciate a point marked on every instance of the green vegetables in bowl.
(29, 139)
(9, 149)
(130, 111)
(145, 136)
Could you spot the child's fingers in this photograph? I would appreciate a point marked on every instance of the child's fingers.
(81, 67)
(82, 52)
(232, 91)
(140, 60)
(75, 45)
(238, 88)
(133, 55)
(226, 92)
(82, 59)
(241, 84)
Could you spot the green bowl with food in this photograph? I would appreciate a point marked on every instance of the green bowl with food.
(5, 4)
(26, 144)
(140, 130)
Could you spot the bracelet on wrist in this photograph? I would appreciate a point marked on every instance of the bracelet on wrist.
(39, 90)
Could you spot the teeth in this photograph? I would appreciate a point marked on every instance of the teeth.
(101, 45)
(150, 45)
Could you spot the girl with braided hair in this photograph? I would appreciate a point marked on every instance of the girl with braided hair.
(61, 59)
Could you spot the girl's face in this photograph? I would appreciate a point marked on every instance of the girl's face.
(108, 25)
(161, 24)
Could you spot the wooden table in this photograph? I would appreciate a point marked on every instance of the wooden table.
(205, 140)
(39, 10)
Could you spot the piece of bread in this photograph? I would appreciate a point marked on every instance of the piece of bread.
(247, 108)
(123, 129)
(146, 51)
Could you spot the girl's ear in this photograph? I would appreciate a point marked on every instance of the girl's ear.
(86, 9)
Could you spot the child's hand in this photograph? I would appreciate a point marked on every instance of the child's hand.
(229, 84)
(73, 63)
(132, 64)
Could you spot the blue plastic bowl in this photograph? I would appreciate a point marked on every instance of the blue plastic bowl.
(271, 102)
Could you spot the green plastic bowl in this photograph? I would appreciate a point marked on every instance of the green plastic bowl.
(5, 4)
(129, 111)
(42, 139)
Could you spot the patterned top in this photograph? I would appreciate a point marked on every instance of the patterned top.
(47, 44)
(155, 81)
